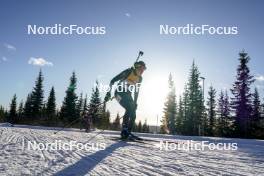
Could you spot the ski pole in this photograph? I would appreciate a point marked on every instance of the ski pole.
(69, 124)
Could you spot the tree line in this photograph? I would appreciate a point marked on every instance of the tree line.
(39, 111)
(235, 113)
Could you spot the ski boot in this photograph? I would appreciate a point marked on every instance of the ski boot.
(124, 133)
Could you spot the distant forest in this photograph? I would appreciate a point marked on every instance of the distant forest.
(237, 112)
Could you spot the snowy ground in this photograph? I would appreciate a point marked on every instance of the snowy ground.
(122, 158)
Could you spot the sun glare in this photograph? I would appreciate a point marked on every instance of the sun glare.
(153, 94)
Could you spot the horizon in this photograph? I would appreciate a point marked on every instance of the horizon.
(128, 29)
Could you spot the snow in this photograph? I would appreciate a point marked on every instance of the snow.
(122, 158)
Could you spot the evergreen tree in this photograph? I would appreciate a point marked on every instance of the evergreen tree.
(195, 104)
(145, 127)
(94, 108)
(51, 106)
(241, 100)
(116, 123)
(256, 113)
(220, 114)
(68, 109)
(180, 117)
(37, 97)
(85, 106)
(20, 111)
(185, 110)
(27, 112)
(256, 106)
(139, 127)
(170, 108)
(79, 105)
(13, 110)
(211, 108)
(105, 121)
(2, 114)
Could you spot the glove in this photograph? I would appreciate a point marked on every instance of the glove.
(107, 97)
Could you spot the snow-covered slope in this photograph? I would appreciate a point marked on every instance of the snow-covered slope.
(121, 158)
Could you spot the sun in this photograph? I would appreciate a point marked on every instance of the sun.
(153, 93)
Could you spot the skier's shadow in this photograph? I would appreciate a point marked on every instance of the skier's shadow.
(87, 163)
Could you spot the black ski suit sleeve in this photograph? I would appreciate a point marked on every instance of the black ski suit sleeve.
(121, 76)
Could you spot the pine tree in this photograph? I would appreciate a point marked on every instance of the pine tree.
(105, 121)
(95, 108)
(256, 113)
(79, 105)
(116, 123)
(170, 108)
(145, 127)
(51, 106)
(20, 111)
(13, 110)
(185, 110)
(85, 106)
(37, 97)
(68, 109)
(139, 127)
(2, 114)
(256, 106)
(180, 117)
(211, 108)
(27, 112)
(195, 104)
(241, 100)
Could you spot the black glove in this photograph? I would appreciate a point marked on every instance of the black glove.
(107, 97)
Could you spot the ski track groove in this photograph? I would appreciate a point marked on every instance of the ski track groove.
(137, 158)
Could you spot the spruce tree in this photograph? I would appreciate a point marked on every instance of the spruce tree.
(20, 111)
(185, 110)
(256, 113)
(95, 108)
(68, 109)
(211, 108)
(195, 104)
(2, 114)
(79, 105)
(139, 127)
(170, 108)
(85, 106)
(27, 111)
(105, 120)
(13, 110)
(145, 127)
(51, 106)
(242, 98)
(180, 117)
(37, 97)
(116, 123)
(256, 106)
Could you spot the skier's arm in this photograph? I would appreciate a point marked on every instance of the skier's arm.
(120, 76)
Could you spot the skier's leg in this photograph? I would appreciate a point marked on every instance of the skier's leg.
(132, 115)
(125, 101)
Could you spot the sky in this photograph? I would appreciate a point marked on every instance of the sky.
(130, 26)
